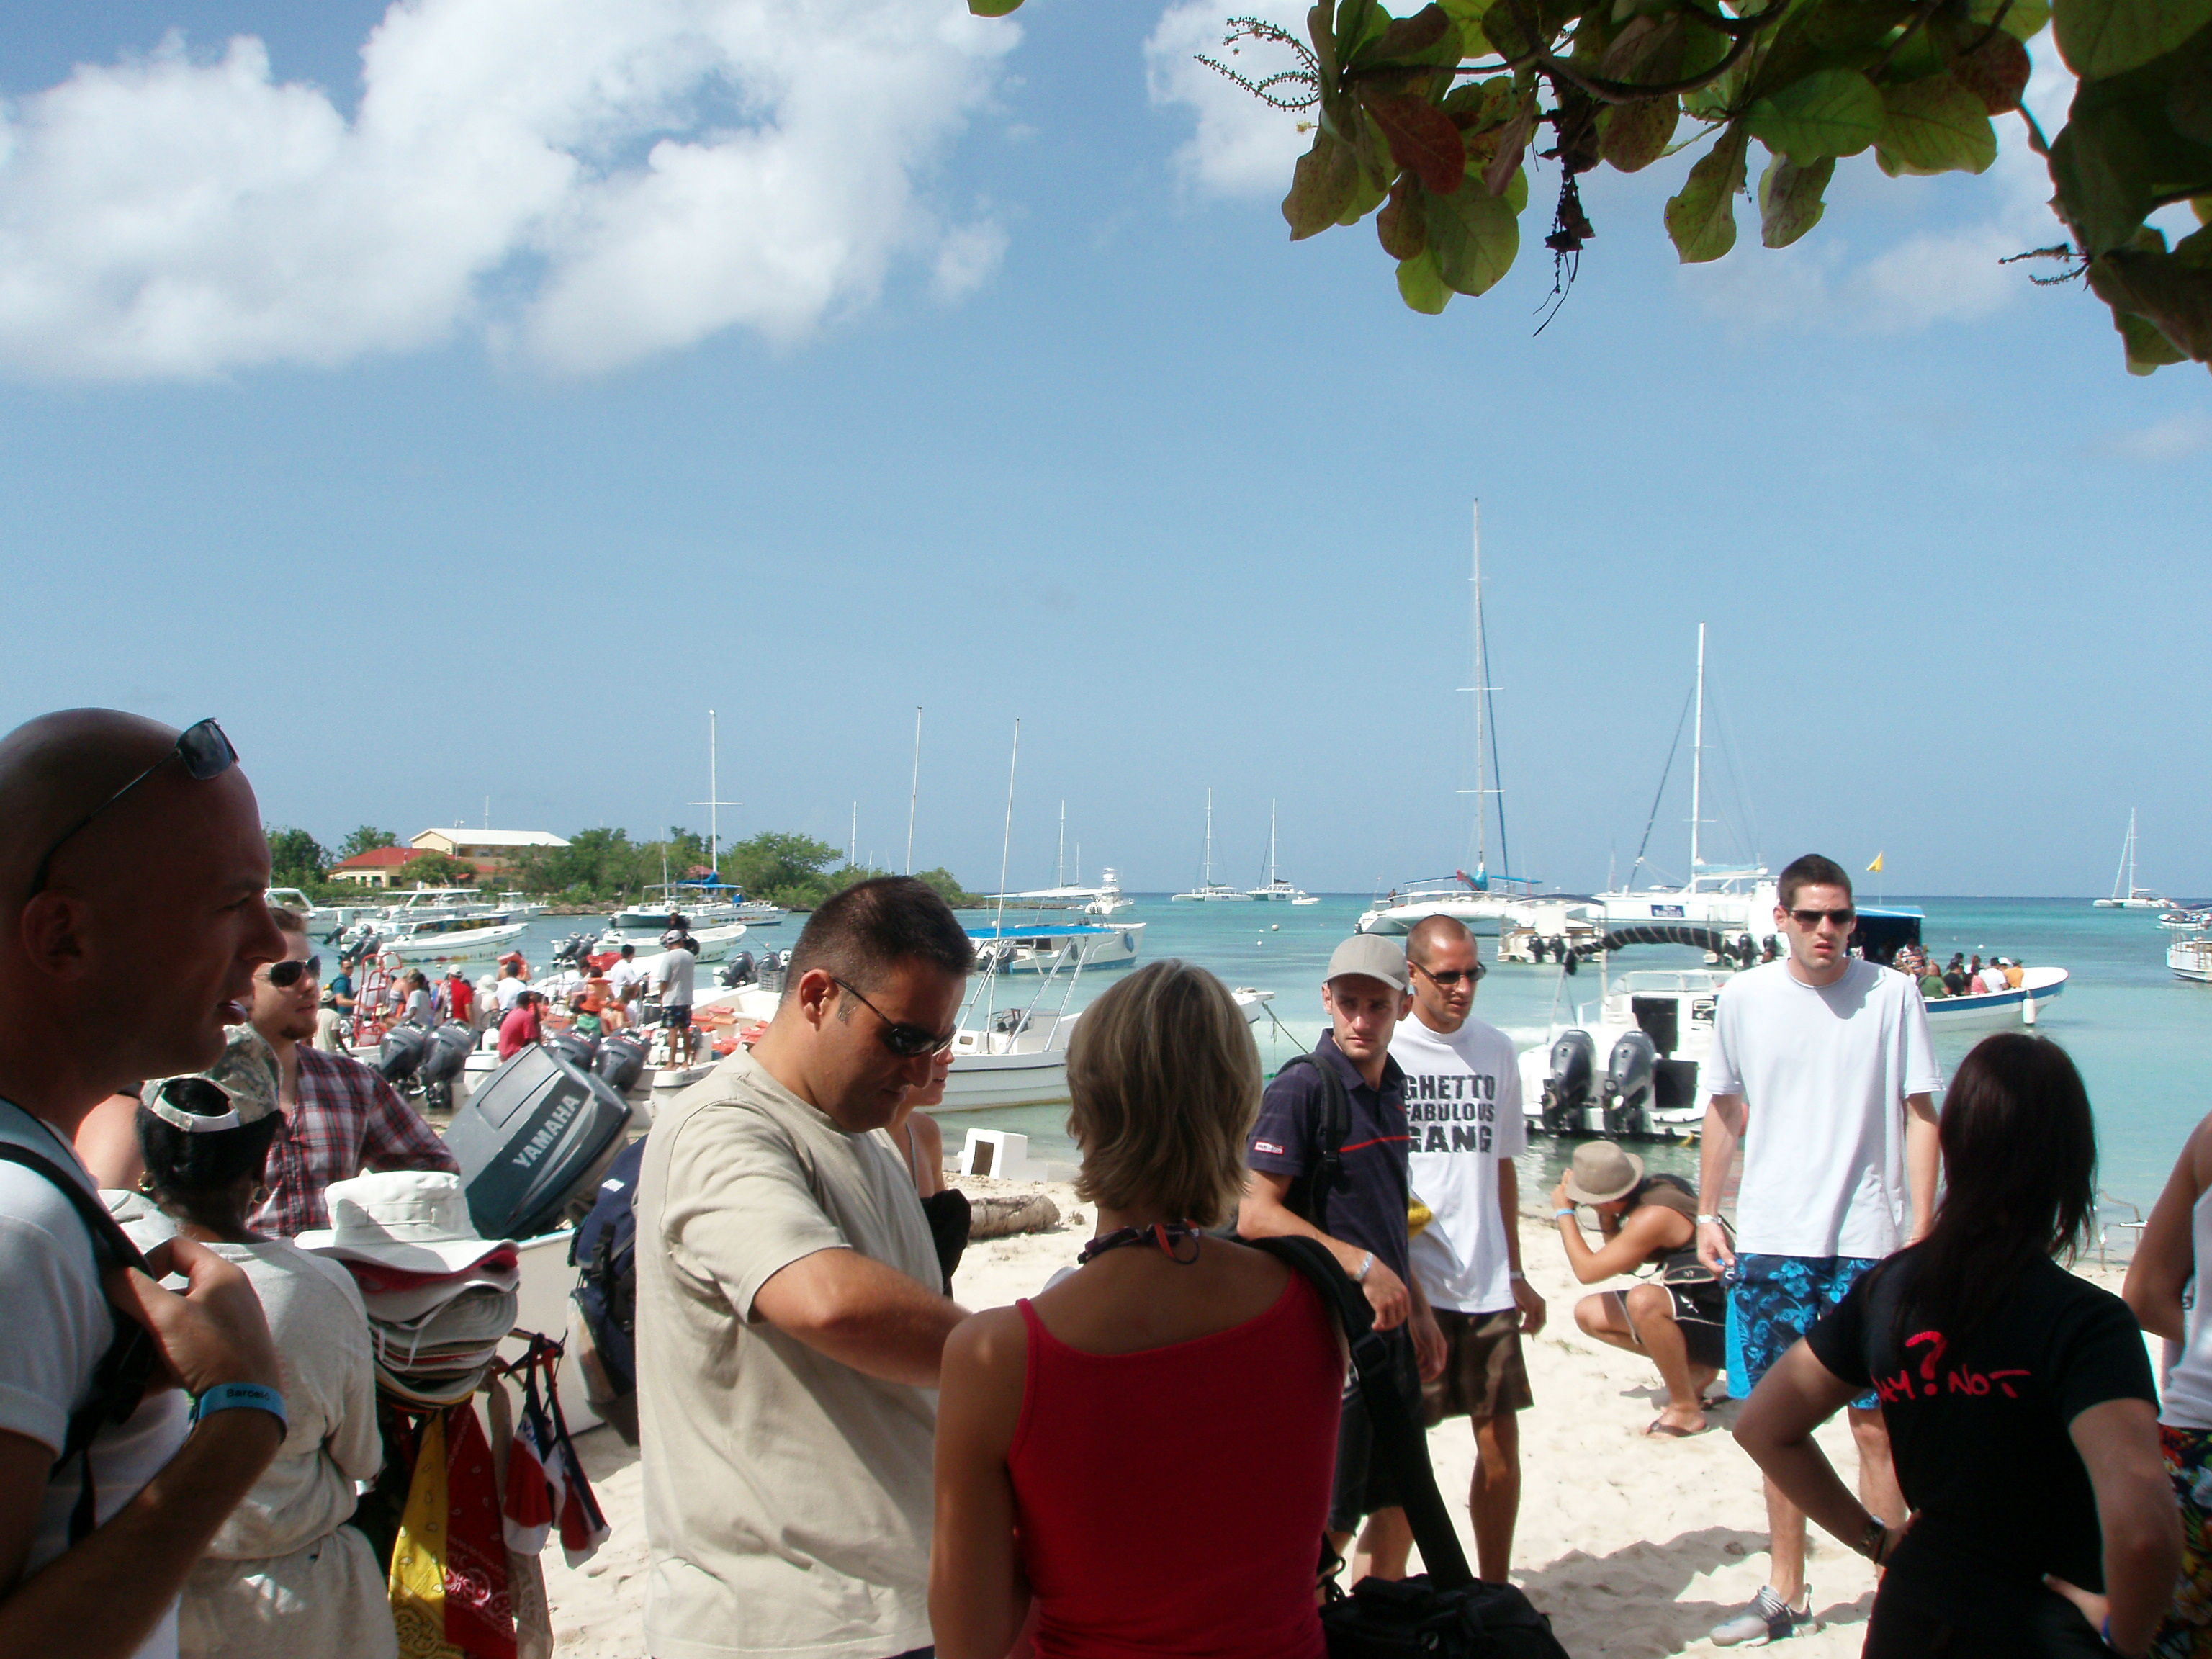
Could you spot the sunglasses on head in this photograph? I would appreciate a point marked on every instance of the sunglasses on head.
(908, 1042)
(206, 753)
(285, 974)
(1810, 920)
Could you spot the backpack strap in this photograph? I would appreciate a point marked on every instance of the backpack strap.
(119, 1381)
(1310, 1191)
(1399, 1442)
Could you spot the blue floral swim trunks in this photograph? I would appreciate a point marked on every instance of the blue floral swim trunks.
(1775, 1300)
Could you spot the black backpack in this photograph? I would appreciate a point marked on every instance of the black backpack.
(605, 1253)
(1445, 1612)
(1310, 1189)
(120, 1378)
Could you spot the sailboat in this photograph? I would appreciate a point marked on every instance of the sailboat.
(1208, 890)
(2126, 896)
(1275, 889)
(1480, 900)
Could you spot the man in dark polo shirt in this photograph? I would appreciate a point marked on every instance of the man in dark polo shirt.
(1359, 1213)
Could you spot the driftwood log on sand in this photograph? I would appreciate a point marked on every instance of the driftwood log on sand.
(1000, 1215)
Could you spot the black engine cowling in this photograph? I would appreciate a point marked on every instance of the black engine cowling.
(1630, 1078)
(1567, 1084)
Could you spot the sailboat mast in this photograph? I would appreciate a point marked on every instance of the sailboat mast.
(1482, 699)
(1207, 879)
(1059, 870)
(914, 790)
(714, 798)
(1697, 760)
(2131, 852)
(1271, 843)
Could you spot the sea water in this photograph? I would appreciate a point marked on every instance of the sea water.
(2142, 1038)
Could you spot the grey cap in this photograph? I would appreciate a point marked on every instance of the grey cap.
(1371, 955)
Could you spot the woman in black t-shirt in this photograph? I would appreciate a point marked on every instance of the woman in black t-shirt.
(2018, 1398)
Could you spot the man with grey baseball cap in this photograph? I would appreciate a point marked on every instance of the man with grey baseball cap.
(1328, 1156)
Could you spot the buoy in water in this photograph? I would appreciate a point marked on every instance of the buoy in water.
(1275, 927)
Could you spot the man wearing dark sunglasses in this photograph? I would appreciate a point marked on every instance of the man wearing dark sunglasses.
(1822, 1071)
(790, 1318)
(132, 866)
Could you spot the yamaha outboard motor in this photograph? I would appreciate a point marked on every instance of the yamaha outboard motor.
(579, 1050)
(737, 970)
(1631, 1076)
(531, 1137)
(1567, 1085)
(401, 1052)
(621, 1060)
(442, 1062)
(572, 950)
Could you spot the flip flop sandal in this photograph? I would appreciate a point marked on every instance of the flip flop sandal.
(1660, 1429)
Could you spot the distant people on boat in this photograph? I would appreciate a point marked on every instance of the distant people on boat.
(1678, 1318)
(2030, 1456)
(419, 1009)
(285, 1578)
(90, 794)
(1359, 1212)
(339, 1116)
(1823, 1073)
(520, 1026)
(2015, 975)
(1073, 1426)
(1993, 976)
(1931, 983)
(1463, 1111)
(1956, 982)
(630, 982)
(789, 1326)
(921, 1143)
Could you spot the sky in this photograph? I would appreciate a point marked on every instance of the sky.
(459, 400)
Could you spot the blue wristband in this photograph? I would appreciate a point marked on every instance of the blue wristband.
(241, 1397)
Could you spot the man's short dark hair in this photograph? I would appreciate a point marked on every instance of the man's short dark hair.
(862, 931)
(1430, 932)
(629, 950)
(1814, 869)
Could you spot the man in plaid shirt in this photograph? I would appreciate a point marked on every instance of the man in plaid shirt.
(340, 1117)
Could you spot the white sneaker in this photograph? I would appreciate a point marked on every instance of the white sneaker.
(1768, 1619)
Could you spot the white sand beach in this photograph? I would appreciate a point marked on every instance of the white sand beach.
(1635, 1547)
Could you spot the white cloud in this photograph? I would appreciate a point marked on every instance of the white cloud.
(588, 184)
(1241, 146)
(2175, 438)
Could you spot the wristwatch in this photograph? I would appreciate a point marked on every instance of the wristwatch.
(1702, 1219)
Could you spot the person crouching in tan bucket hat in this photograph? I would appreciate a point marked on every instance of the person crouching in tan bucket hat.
(1679, 1319)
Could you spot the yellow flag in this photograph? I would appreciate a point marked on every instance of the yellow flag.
(1875, 866)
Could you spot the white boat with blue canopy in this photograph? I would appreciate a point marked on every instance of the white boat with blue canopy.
(1041, 947)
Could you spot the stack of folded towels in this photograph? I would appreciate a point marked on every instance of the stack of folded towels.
(440, 1298)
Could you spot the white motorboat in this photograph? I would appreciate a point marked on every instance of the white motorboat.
(2183, 918)
(1016, 947)
(1551, 927)
(2126, 896)
(465, 940)
(1994, 1011)
(1208, 890)
(1471, 900)
(715, 943)
(1275, 889)
(2190, 958)
(1106, 900)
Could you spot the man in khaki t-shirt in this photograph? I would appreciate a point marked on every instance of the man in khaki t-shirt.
(788, 1325)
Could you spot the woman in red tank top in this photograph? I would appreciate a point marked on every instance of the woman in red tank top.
(1135, 1465)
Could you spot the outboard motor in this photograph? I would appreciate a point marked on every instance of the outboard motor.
(737, 970)
(572, 951)
(1010, 1022)
(443, 1059)
(1567, 1085)
(621, 1060)
(579, 1050)
(1631, 1078)
(1571, 961)
(401, 1052)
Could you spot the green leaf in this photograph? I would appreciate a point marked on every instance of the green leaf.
(1631, 137)
(993, 8)
(1420, 286)
(1402, 226)
(1429, 36)
(2147, 349)
(2120, 157)
(1322, 187)
(1468, 14)
(1701, 220)
(1830, 112)
(1935, 126)
(2099, 38)
(1367, 195)
(2023, 20)
(2170, 293)
(1789, 202)
(1422, 138)
(1475, 237)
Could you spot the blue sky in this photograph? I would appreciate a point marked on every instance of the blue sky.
(448, 439)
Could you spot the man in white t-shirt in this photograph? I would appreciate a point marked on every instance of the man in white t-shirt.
(672, 979)
(511, 984)
(628, 983)
(1822, 1071)
(1463, 1115)
(132, 866)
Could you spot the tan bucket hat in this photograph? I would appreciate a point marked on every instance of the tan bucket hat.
(1600, 1172)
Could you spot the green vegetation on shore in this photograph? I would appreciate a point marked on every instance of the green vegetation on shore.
(602, 865)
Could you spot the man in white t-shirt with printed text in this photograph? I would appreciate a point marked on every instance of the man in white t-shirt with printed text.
(1464, 1117)
(1822, 1071)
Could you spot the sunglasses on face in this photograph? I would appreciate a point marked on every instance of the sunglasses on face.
(1450, 977)
(908, 1042)
(285, 974)
(206, 753)
(1808, 920)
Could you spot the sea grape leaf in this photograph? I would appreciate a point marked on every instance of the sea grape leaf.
(2189, 106)
(2023, 20)
(1935, 126)
(1468, 14)
(1789, 202)
(1420, 286)
(1422, 138)
(1358, 23)
(1402, 226)
(1367, 195)
(993, 8)
(1701, 219)
(1404, 40)
(1995, 72)
(2098, 38)
(2171, 293)
(1631, 137)
(1475, 236)
(1512, 143)
(1831, 112)
(1322, 187)
(2119, 156)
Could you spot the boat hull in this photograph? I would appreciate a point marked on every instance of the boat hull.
(1994, 1011)
(470, 944)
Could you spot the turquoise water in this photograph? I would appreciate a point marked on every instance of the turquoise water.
(2142, 1038)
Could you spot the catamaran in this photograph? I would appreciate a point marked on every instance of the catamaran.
(1208, 890)
(1275, 889)
(2126, 896)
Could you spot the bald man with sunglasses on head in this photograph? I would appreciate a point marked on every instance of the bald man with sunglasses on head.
(790, 1309)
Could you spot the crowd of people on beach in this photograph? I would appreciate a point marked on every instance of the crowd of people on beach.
(839, 1461)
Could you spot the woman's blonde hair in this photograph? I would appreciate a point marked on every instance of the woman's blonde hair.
(1164, 1081)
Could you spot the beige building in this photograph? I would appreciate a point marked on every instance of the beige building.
(491, 851)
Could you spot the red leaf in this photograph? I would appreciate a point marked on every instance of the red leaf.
(1423, 139)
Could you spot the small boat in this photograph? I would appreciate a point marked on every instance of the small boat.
(1033, 947)
(1275, 889)
(714, 943)
(1208, 890)
(1106, 898)
(2183, 918)
(2126, 896)
(464, 940)
(1997, 1010)
(711, 903)
(2190, 958)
